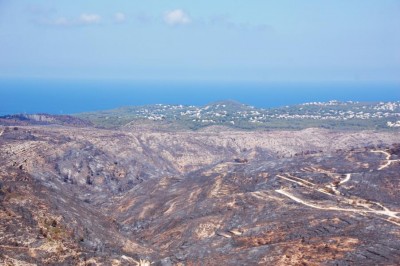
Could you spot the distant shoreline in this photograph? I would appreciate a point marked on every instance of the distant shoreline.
(69, 97)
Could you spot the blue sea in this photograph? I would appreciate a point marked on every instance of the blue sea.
(59, 96)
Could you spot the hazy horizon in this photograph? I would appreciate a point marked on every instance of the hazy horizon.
(73, 96)
(60, 57)
(263, 41)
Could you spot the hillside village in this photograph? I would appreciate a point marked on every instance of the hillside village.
(231, 113)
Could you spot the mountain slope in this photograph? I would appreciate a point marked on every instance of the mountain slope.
(84, 195)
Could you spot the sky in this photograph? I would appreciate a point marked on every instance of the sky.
(234, 40)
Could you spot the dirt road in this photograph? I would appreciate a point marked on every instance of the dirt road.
(388, 161)
(348, 176)
(385, 212)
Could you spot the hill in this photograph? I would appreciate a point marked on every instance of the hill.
(333, 115)
(82, 195)
(42, 119)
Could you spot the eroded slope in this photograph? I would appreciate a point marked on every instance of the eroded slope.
(76, 196)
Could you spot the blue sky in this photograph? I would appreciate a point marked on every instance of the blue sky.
(246, 40)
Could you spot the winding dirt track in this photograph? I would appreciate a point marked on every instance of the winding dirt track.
(385, 212)
(348, 176)
(388, 161)
(384, 152)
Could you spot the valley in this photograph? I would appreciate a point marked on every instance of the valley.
(90, 196)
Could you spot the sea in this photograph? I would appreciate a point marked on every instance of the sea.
(67, 96)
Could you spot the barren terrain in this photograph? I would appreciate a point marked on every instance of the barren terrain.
(87, 196)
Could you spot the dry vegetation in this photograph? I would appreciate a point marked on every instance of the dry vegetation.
(85, 196)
